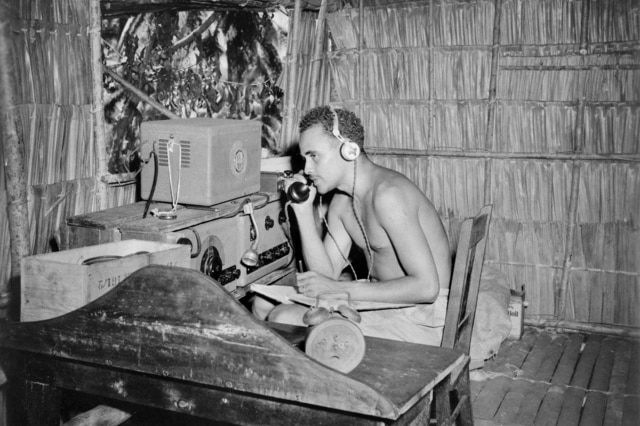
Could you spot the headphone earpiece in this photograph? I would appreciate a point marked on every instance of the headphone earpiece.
(349, 150)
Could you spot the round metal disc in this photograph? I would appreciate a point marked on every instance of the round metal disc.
(337, 343)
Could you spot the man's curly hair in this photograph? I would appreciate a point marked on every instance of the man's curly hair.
(349, 124)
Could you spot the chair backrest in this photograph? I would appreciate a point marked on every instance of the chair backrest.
(465, 282)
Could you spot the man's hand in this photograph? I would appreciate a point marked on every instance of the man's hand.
(300, 207)
(311, 283)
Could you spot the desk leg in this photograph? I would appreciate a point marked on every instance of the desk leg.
(459, 394)
(42, 402)
(442, 393)
(463, 389)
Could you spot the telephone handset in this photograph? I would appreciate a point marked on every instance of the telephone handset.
(298, 192)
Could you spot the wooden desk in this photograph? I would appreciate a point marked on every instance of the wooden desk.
(172, 338)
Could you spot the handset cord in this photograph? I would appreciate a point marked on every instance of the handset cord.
(360, 224)
(326, 224)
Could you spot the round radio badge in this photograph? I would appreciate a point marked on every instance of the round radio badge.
(239, 161)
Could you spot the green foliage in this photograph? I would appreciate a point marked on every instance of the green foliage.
(196, 64)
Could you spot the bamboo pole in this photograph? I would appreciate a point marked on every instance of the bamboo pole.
(140, 94)
(98, 104)
(192, 36)
(292, 75)
(632, 158)
(564, 326)
(317, 54)
(561, 303)
(432, 77)
(584, 23)
(17, 210)
(491, 113)
(361, 70)
(610, 67)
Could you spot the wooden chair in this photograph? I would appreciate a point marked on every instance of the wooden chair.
(452, 398)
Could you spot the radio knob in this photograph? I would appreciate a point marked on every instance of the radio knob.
(211, 263)
(268, 223)
(282, 217)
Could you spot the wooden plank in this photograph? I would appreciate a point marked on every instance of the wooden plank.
(536, 356)
(566, 365)
(584, 369)
(510, 405)
(531, 404)
(602, 371)
(594, 409)
(615, 409)
(110, 218)
(621, 366)
(552, 358)
(102, 415)
(218, 404)
(490, 397)
(631, 412)
(633, 381)
(571, 407)
(510, 361)
(478, 381)
(549, 411)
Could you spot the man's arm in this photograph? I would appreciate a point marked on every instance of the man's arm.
(397, 213)
(322, 256)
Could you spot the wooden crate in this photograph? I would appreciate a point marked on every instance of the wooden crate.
(53, 284)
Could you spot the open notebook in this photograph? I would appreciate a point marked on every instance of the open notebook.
(288, 294)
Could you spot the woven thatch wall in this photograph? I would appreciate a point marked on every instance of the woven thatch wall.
(530, 105)
(50, 53)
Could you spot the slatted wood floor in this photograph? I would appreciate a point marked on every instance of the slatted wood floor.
(550, 378)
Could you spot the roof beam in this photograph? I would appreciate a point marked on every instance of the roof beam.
(112, 8)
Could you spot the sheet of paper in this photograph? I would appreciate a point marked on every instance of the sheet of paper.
(358, 305)
(288, 294)
(278, 293)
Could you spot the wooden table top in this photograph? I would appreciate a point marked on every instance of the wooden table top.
(180, 324)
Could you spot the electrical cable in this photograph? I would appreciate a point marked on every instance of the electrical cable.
(347, 261)
(355, 213)
(154, 182)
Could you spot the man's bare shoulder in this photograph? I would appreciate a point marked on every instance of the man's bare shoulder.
(392, 187)
(340, 203)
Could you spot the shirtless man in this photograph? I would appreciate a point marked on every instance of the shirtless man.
(386, 216)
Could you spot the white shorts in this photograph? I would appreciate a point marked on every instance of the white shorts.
(422, 323)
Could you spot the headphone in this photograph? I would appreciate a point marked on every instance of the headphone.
(349, 150)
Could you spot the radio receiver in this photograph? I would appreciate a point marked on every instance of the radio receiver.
(200, 161)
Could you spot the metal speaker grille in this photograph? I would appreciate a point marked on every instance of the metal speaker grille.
(185, 154)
